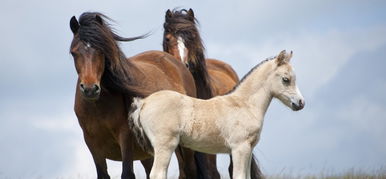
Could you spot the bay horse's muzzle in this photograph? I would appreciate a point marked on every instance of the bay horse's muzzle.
(90, 91)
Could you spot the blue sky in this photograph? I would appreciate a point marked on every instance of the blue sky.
(339, 54)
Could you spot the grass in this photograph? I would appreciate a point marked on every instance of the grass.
(350, 174)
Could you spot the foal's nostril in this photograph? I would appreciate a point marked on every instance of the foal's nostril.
(301, 104)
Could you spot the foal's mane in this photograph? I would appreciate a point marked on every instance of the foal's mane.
(96, 30)
(249, 73)
(180, 23)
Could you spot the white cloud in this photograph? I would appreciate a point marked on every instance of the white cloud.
(317, 56)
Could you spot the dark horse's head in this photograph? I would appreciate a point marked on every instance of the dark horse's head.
(96, 52)
(183, 41)
(181, 36)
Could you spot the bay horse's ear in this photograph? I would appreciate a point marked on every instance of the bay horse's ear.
(191, 14)
(283, 57)
(99, 19)
(168, 14)
(74, 25)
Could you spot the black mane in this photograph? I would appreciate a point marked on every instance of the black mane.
(181, 24)
(249, 73)
(96, 31)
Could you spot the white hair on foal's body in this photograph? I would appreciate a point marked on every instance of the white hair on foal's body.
(224, 124)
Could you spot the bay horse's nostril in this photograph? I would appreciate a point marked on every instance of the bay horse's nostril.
(96, 88)
(81, 87)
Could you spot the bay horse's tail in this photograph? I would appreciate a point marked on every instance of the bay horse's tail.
(136, 126)
(255, 170)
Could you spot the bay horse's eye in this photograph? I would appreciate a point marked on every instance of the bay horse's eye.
(286, 80)
(167, 39)
(73, 54)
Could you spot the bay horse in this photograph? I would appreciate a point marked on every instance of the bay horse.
(212, 77)
(107, 82)
(231, 123)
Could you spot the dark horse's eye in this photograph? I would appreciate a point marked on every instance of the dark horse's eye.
(73, 54)
(286, 80)
(167, 39)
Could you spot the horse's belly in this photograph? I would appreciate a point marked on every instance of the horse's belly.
(205, 144)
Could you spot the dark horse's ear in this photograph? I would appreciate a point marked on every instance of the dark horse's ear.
(191, 14)
(74, 25)
(99, 19)
(168, 14)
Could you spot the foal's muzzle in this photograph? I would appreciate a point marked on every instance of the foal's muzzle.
(90, 91)
(298, 105)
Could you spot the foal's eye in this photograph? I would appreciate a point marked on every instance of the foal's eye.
(286, 80)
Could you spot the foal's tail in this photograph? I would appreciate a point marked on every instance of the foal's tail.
(136, 126)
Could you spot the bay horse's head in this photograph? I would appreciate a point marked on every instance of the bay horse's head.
(283, 82)
(95, 52)
(181, 36)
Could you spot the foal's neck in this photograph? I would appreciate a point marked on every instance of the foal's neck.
(254, 89)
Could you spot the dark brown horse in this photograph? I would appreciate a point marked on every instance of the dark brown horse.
(107, 82)
(212, 77)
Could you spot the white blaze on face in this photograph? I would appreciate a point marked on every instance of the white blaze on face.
(181, 49)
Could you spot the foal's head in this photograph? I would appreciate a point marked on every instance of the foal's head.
(181, 36)
(95, 51)
(283, 82)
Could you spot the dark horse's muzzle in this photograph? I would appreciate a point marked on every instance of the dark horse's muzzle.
(90, 91)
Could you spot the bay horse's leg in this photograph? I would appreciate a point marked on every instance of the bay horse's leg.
(207, 166)
(241, 156)
(147, 164)
(127, 154)
(99, 160)
(186, 163)
(212, 166)
(230, 167)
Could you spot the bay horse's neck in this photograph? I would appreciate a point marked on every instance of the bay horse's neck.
(254, 90)
(122, 76)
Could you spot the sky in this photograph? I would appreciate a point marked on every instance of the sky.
(339, 55)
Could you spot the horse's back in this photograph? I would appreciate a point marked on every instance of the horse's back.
(168, 74)
(223, 77)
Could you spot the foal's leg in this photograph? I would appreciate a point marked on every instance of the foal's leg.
(241, 158)
(163, 150)
(249, 166)
(164, 146)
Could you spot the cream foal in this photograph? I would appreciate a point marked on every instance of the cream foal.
(224, 124)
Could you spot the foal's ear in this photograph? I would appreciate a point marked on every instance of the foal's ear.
(191, 14)
(168, 14)
(74, 25)
(283, 57)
